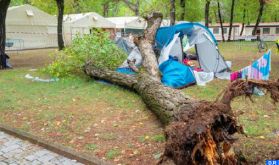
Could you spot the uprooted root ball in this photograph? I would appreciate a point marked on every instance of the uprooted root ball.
(205, 135)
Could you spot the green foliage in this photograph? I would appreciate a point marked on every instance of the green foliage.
(91, 146)
(194, 9)
(96, 48)
(158, 138)
(111, 154)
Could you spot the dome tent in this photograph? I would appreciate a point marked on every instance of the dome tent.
(170, 38)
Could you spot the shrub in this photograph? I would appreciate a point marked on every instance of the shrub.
(95, 47)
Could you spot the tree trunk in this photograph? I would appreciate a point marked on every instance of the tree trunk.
(105, 9)
(3, 13)
(262, 4)
(206, 12)
(60, 6)
(76, 6)
(182, 5)
(231, 20)
(198, 132)
(220, 19)
(243, 20)
(172, 12)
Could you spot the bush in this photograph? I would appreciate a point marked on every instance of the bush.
(95, 47)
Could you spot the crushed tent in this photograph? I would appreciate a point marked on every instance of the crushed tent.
(191, 35)
(176, 74)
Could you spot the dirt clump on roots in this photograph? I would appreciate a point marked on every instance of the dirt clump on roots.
(205, 136)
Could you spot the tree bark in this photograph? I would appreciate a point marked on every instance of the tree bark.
(206, 12)
(261, 9)
(243, 20)
(231, 20)
(220, 19)
(182, 5)
(105, 9)
(60, 6)
(172, 12)
(3, 13)
(198, 132)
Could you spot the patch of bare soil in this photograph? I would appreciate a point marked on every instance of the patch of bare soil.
(30, 58)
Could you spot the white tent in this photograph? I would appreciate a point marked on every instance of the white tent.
(129, 24)
(75, 24)
(29, 28)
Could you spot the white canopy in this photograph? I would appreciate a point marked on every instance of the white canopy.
(128, 22)
(28, 28)
(91, 19)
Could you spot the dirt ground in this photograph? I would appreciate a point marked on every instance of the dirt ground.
(30, 58)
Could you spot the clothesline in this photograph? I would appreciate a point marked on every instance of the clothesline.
(258, 70)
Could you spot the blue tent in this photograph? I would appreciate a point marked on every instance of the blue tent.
(175, 74)
(199, 36)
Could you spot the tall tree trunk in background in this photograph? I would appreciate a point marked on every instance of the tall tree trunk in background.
(261, 9)
(220, 19)
(26, 2)
(231, 20)
(172, 12)
(182, 5)
(243, 20)
(206, 13)
(105, 9)
(133, 6)
(4, 4)
(76, 6)
(60, 6)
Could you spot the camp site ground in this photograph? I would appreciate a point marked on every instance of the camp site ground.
(111, 127)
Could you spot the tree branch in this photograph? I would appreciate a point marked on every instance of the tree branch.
(146, 45)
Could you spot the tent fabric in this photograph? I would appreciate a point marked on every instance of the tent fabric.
(28, 27)
(175, 74)
(209, 57)
(174, 49)
(125, 71)
(131, 50)
(197, 35)
(165, 35)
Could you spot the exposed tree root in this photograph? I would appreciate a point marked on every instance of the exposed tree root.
(205, 135)
(200, 132)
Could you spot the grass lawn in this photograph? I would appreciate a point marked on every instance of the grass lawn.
(113, 123)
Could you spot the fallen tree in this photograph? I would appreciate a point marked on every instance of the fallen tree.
(197, 132)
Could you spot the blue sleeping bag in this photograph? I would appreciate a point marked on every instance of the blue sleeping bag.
(175, 74)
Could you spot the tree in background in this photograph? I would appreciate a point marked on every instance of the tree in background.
(206, 12)
(261, 10)
(4, 4)
(106, 8)
(76, 6)
(182, 5)
(60, 7)
(172, 12)
(220, 20)
(133, 6)
(231, 20)
(243, 18)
